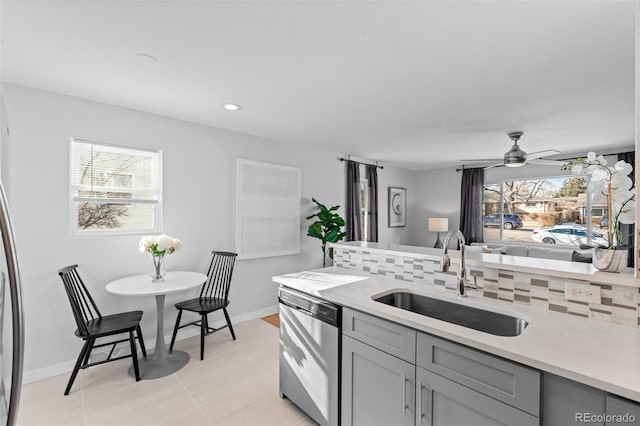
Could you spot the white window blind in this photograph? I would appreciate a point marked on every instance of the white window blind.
(114, 189)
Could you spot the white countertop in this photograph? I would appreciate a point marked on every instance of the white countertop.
(596, 353)
(556, 268)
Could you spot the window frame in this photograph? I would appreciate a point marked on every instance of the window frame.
(74, 198)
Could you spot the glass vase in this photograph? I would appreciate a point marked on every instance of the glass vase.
(157, 263)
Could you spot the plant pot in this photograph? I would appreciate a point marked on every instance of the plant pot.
(610, 260)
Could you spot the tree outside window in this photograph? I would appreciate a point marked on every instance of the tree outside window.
(114, 189)
(512, 209)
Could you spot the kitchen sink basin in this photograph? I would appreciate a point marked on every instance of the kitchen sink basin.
(456, 313)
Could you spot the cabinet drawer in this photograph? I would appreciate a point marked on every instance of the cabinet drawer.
(387, 336)
(514, 384)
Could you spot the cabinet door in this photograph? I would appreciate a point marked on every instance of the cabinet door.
(443, 402)
(621, 411)
(377, 388)
(565, 402)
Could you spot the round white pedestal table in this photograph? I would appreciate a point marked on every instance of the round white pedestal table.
(162, 362)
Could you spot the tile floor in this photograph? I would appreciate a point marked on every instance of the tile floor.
(236, 384)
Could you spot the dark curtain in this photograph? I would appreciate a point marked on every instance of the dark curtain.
(471, 204)
(372, 177)
(628, 230)
(354, 230)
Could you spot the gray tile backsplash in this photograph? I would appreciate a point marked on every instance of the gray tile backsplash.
(619, 304)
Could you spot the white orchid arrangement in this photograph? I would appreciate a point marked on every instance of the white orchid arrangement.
(159, 245)
(613, 185)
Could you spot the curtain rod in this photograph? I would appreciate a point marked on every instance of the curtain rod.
(369, 163)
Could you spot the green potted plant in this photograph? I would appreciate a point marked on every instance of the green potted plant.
(327, 228)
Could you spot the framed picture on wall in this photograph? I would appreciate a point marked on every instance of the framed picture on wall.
(397, 207)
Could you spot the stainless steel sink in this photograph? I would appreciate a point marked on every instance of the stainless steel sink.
(456, 313)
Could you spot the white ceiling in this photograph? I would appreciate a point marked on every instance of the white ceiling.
(415, 84)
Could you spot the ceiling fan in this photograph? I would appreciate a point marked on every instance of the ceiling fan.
(516, 157)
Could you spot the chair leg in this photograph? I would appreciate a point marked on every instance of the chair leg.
(226, 316)
(88, 352)
(175, 329)
(141, 340)
(134, 355)
(81, 357)
(203, 332)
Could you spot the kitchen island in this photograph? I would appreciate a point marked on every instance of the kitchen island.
(584, 354)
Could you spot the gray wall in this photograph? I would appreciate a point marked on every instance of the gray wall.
(198, 181)
(398, 178)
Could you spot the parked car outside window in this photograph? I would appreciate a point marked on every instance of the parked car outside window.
(573, 235)
(511, 220)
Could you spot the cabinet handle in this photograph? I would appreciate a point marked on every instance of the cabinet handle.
(420, 413)
(404, 395)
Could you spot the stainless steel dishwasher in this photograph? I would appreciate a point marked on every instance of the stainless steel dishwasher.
(310, 354)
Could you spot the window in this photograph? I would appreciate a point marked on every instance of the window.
(114, 189)
(549, 210)
(364, 208)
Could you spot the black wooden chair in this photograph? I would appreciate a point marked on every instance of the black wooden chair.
(214, 295)
(92, 325)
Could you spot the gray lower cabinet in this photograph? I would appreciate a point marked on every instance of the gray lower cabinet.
(377, 388)
(443, 402)
(621, 411)
(393, 375)
(564, 400)
(500, 379)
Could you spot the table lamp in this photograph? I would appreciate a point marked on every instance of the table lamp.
(438, 224)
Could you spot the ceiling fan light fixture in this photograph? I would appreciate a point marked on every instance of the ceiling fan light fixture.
(514, 163)
(515, 157)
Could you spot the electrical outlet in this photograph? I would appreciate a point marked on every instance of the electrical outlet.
(582, 292)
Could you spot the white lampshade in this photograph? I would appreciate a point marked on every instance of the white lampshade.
(438, 224)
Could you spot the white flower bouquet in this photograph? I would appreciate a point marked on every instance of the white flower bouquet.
(159, 245)
(610, 184)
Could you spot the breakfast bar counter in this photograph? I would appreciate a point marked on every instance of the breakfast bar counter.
(600, 354)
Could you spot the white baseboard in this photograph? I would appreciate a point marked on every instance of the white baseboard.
(185, 333)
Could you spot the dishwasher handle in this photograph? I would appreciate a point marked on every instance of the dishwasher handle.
(294, 306)
(316, 308)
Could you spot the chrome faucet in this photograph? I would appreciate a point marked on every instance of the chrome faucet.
(446, 261)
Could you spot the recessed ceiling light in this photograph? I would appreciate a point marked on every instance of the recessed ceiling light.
(231, 107)
(148, 57)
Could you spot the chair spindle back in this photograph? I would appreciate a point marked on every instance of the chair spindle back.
(82, 304)
(219, 276)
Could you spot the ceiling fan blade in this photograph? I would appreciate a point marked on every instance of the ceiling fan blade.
(494, 165)
(540, 154)
(484, 160)
(546, 162)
